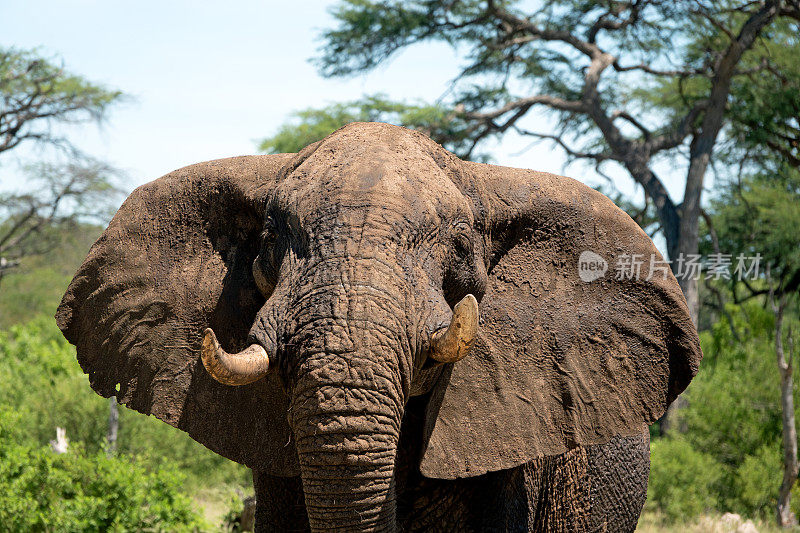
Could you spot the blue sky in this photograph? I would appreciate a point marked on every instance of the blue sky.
(209, 79)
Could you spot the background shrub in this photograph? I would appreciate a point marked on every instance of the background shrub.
(86, 491)
(683, 480)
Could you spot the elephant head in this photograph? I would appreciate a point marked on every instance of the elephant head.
(325, 288)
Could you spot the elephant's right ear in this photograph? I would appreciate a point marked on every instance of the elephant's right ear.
(175, 260)
(572, 350)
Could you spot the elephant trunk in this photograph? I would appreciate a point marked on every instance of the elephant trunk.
(345, 412)
(347, 464)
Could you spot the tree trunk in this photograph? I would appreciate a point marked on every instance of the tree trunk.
(113, 426)
(248, 519)
(786, 517)
(700, 151)
(689, 243)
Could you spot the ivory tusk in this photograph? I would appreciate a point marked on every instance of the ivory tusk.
(453, 343)
(247, 366)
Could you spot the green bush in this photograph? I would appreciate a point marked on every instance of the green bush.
(755, 486)
(731, 448)
(232, 517)
(82, 491)
(682, 479)
(42, 382)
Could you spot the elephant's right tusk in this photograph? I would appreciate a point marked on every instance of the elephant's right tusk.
(454, 343)
(247, 366)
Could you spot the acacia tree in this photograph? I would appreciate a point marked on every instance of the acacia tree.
(36, 97)
(627, 83)
(765, 111)
(59, 197)
(36, 94)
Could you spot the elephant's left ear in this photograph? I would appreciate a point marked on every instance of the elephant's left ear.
(584, 333)
(177, 258)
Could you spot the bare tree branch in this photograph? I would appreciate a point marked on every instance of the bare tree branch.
(657, 72)
(63, 195)
(628, 117)
(525, 104)
(604, 22)
(599, 157)
(675, 137)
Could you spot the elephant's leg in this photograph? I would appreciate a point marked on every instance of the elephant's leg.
(547, 495)
(550, 494)
(599, 488)
(280, 504)
(618, 471)
(440, 505)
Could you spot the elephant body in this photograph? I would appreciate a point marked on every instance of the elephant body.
(412, 345)
(596, 488)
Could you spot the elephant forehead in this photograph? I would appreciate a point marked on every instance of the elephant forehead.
(378, 181)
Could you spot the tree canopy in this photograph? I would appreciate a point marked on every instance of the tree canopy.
(627, 84)
(36, 93)
(36, 96)
(310, 125)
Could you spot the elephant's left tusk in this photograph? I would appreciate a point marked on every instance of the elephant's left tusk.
(454, 343)
(247, 366)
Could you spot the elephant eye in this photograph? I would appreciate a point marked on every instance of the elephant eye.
(269, 235)
(463, 244)
(268, 238)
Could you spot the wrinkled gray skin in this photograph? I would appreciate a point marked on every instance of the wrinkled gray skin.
(358, 289)
(599, 488)
(368, 240)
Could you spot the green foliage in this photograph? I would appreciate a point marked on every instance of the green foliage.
(734, 400)
(369, 31)
(38, 283)
(37, 93)
(46, 388)
(21, 70)
(41, 380)
(754, 485)
(766, 105)
(83, 491)
(682, 479)
(311, 125)
(232, 518)
(758, 213)
(729, 457)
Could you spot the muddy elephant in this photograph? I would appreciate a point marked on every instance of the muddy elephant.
(391, 338)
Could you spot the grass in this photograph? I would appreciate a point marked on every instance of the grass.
(653, 522)
(216, 501)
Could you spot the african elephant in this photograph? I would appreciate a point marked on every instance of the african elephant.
(391, 338)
